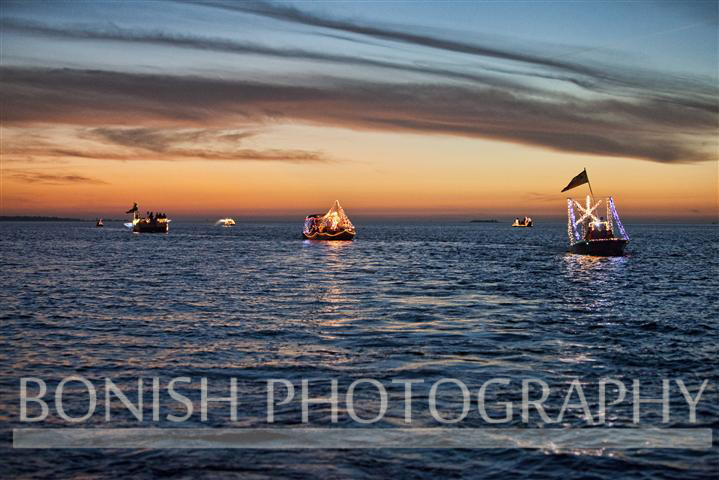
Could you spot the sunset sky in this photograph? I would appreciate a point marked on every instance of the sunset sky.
(204, 109)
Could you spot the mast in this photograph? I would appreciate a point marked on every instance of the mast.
(588, 182)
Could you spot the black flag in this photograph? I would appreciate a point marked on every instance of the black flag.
(133, 209)
(580, 179)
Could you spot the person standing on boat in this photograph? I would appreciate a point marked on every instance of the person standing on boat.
(590, 232)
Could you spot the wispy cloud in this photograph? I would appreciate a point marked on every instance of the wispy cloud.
(648, 128)
(198, 144)
(164, 140)
(289, 13)
(519, 64)
(157, 144)
(28, 176)
(540, 197)
(699, 93)
(224, 45)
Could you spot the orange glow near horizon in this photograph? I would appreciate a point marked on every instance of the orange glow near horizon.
(382, 174)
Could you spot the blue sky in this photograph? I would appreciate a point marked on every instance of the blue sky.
(678, 36)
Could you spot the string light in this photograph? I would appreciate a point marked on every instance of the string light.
(572, 232)
(332, 224)
(615, 216)
(588, 211)
(575, 232)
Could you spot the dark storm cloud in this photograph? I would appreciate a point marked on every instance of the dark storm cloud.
(649, 129)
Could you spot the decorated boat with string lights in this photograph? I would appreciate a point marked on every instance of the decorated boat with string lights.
(150, 223)
(333, 225)
(590, 233)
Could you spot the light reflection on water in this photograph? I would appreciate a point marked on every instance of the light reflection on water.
(471, 302)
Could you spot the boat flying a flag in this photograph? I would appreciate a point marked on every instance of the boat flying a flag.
(150, 223)
(590, 232)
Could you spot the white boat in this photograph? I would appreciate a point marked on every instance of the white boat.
(527, 222)
(226, 222)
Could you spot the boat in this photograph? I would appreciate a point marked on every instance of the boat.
(226, 222)
(591, 234)
(99, 223)
(333, 225)
(526, 222)
(150, 223)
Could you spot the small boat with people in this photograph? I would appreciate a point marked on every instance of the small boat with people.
(333, 225)
(151, 222)
(589, 232)
(99, 223)
(525, 222)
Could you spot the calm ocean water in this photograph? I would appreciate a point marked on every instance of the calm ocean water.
(467, 301)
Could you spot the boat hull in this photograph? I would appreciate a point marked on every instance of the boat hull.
(151, 228)
(613, 247)
(344, 235)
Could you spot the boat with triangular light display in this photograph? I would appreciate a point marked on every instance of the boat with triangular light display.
(590, 232)
(333, 225)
